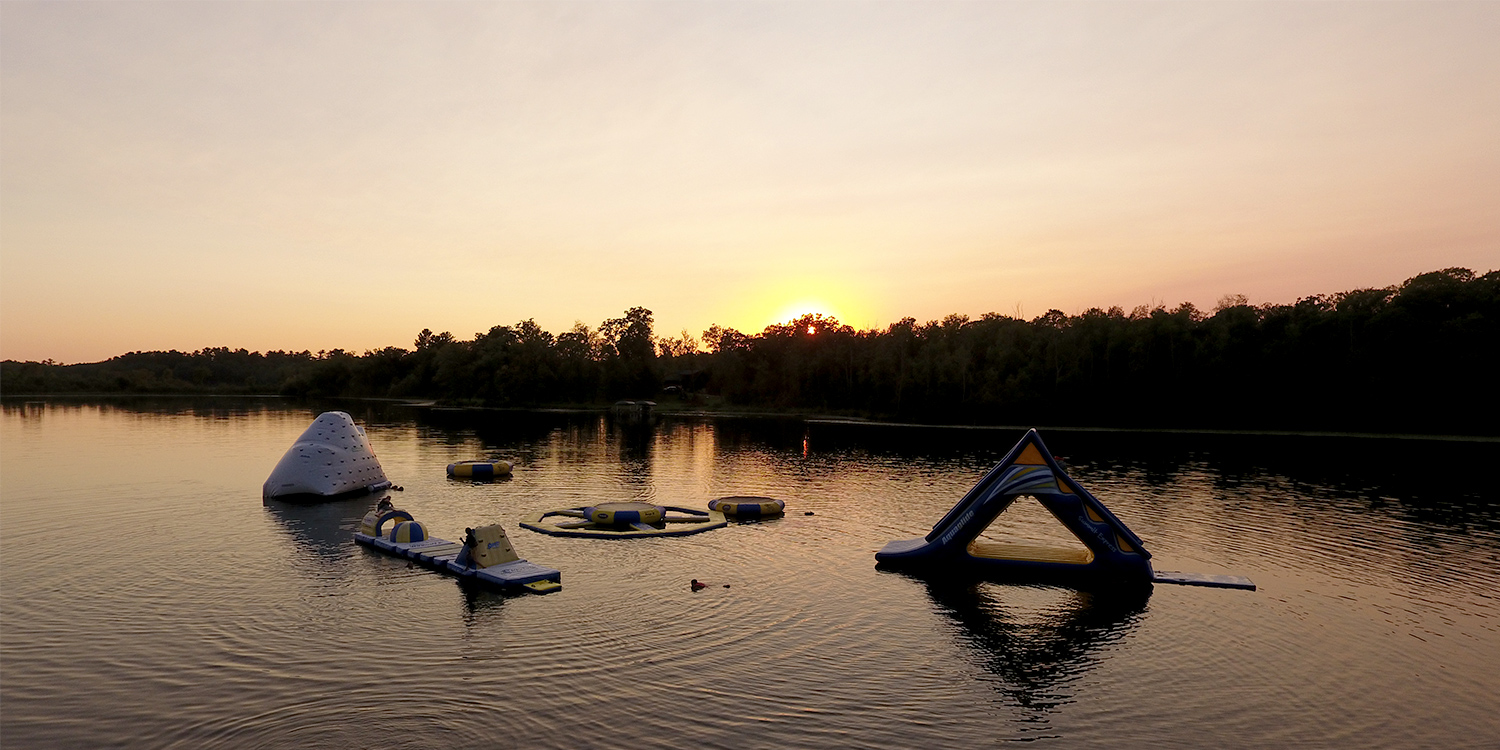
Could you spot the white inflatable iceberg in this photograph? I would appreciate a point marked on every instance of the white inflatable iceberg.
(332, 457)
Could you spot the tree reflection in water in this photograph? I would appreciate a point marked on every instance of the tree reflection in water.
(635, 437)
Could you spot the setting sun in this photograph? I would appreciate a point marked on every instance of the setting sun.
(804, 307)
(818, 306)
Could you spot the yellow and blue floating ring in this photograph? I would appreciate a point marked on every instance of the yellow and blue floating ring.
(407, 532)
(620, 514)
(748, 507)
(479, 469)
(581, 522)
(396, 515)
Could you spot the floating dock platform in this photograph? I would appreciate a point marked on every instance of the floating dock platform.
(485, 554)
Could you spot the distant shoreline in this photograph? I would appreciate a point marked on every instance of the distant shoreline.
(1415, 358)
(809, 417)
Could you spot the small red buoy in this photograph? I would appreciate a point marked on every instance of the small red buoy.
(695, 585)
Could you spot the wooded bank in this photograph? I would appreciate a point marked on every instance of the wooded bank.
(1418, 356)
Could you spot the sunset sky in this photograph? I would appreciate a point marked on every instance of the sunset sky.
(302, 175)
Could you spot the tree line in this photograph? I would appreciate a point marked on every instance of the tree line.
(1418, 356)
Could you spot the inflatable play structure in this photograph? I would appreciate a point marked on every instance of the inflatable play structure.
(629, 520)
(485, 554)
(479, 469)
(1112, 553)
(746, 508)
(332, 457)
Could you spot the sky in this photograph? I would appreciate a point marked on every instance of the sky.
(319, 175)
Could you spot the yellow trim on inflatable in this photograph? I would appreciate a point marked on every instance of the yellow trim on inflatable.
(607, 514)
(492, 546)
(369, 522)
(1095, 517)
(407, 532)
(1030, 553)
(465, 469)
(752, 507)
(1124, 545)
(1030, 457)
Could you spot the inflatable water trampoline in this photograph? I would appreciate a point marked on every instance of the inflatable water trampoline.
(1112, 553)
(628, 520)
(331, 458)
(479, 470)
(484, 555)
(748, 508)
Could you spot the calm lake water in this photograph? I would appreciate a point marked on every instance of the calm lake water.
(152, 599)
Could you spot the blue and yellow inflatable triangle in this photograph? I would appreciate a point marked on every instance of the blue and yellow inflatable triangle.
(1114, 552)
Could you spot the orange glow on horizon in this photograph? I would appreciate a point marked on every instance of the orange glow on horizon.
(666, 156)
(819, 305)
(791, 313)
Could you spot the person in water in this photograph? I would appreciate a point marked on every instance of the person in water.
(466, 556)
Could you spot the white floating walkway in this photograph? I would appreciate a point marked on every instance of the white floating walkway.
(485, 555)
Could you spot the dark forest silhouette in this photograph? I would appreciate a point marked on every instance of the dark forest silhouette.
(1421, 356)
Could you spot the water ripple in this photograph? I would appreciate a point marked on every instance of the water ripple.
(156, 603)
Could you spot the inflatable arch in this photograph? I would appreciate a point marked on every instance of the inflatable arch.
(1114, 552)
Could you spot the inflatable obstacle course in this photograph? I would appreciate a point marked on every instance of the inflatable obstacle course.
(479, 469)
(1113, 552)
(332, 457)
(628, 520)
(485, 554)
(746, 508)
